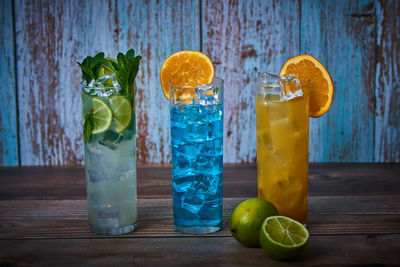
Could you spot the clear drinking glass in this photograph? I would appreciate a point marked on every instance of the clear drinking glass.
(282, 111)
(110, 160)
(197, 156)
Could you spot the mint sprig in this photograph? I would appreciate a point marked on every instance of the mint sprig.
(129, 67)
(125, 69)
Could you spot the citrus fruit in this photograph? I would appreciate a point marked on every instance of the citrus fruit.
(121, 108)
(282, 238)
(102, 116)
(314, 79)
(105, 70)
(186, 68)
(246, 220)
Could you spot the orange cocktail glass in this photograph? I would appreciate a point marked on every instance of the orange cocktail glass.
(282, 118)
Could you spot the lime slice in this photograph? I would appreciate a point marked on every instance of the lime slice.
(122, 112)
(105, 70)
(282, 238)
(102, 116)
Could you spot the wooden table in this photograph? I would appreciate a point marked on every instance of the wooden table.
(354, 218)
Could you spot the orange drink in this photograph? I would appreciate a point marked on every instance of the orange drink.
(282, 119)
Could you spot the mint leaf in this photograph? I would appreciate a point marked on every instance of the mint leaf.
(91, 67)
(129, 68)
(88, 126)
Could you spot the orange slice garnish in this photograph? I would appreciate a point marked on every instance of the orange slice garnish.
(314, 79)
(186, 68)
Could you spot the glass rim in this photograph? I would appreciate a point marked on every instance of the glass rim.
(216, 82)
(84, 85)
(101, 88)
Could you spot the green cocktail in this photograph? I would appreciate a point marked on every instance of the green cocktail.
(108, 95)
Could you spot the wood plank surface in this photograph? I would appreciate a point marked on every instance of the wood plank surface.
(387, 92)
(341, 34)
(8, 100)
(354, 219)
(51, 203)
(225, 251)
(38, 219)
(244, 39)
(326, 179)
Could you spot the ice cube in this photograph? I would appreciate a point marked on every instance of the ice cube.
(279, 159)
(105, 86)
(210, 184)
(207, 95)
(97, 175)
(182, 95)
(181, 184)
(265, 142)
(182, 165)
(194, 198)
(111, 139)
(290, 87)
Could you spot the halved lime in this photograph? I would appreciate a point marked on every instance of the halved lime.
(122, 112)
(102, 116)
(282, 238)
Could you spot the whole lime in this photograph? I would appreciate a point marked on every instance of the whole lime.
(246, 220)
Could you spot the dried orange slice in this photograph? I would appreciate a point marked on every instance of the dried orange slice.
(314, 79)
(186, 68)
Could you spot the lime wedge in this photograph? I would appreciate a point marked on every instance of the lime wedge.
(282, 238)
(122, 112)
(102, 116)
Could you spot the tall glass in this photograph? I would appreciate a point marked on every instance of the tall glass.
(282, 144)
(110, 160)
(197, 156)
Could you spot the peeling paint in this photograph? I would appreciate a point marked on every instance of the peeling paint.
(243, 38)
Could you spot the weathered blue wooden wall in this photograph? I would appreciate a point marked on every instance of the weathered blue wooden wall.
(41, 41)
(8, 103)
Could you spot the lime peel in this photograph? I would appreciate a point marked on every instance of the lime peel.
(122, 112)
(276, 240)
(102, 116)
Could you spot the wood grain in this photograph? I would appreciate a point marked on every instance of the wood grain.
(245, 39)
(51, 202)
(387, 90)
(354, 219)
(341, 34)
(61, 33)
(225, 251)
(239, 181)
(8, 99)
(33, 219)
(358, 41)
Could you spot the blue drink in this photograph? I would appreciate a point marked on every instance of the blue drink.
(197, 146)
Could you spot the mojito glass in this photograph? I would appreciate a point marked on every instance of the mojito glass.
(110, 158)
(196, 114)
(282, 120)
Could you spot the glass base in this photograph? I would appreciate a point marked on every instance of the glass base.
(113, 231)
(198, 230)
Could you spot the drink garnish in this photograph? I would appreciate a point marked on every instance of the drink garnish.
(314, 79)
(125, 69)
(186, 68)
